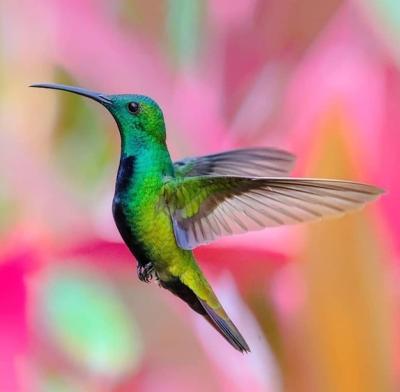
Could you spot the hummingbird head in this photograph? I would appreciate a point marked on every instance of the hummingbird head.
(138, 117)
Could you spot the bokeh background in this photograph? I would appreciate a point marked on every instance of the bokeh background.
(318, 303)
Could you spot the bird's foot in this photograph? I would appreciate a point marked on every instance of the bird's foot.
(145, 272)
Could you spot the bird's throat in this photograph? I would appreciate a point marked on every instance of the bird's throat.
(145, 167)
(126, 173)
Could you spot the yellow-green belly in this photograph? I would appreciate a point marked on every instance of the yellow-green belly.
(147, 230)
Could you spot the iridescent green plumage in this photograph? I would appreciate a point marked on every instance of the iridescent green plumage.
(164, 209)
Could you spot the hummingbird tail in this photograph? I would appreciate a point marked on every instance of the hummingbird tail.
(226, 328)
(221, 323)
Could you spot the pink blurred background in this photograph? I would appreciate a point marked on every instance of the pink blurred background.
(318, 303)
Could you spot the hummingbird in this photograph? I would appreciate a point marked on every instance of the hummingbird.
(165, 209)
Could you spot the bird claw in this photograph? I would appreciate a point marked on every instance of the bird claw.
(145, 272)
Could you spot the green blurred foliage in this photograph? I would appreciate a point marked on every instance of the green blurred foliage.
(145, 21)
(88, 321)
(184, 22)
(9, 211)
(81, 128)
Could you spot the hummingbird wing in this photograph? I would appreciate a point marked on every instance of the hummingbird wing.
(249, 162)
(205, 208)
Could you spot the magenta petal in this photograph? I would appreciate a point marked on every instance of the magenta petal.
(13, 323)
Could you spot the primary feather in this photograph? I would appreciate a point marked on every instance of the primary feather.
(248, 162)
(205, 208)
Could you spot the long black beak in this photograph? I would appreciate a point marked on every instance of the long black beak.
(103, 99)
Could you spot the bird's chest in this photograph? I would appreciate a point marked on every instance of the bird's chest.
(133, 213)
(134, 220)
(135, 202)
(135, 210)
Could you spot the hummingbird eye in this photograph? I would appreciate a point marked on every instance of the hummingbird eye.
(133, 107)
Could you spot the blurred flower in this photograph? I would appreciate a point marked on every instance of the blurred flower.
(14, 331)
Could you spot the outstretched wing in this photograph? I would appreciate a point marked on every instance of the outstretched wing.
(250, 162)
(205, 208)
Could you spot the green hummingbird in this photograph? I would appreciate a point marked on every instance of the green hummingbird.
(164, 209)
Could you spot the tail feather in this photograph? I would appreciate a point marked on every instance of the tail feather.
(222, 324)
(226, 327)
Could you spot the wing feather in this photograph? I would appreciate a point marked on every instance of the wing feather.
(204, 208)
(250, 162)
